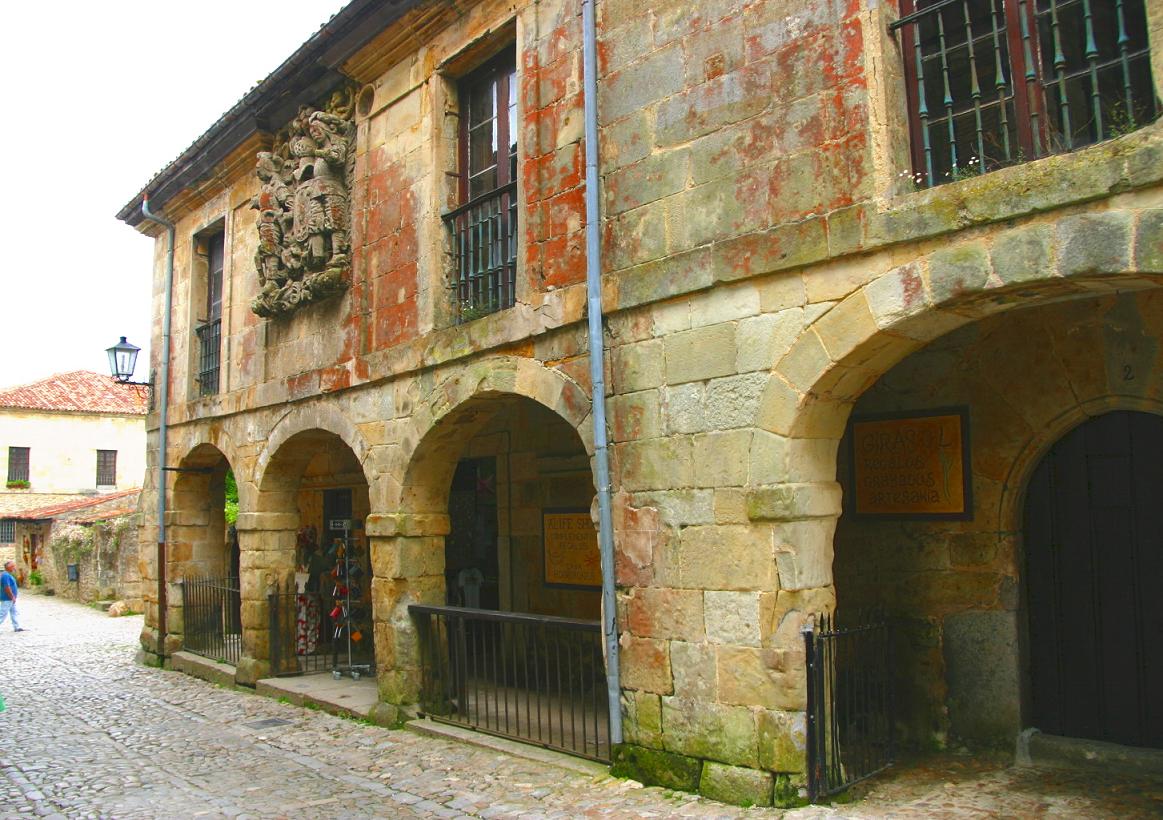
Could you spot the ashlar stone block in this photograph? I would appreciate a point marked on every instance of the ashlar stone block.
(721, 459)
(1094, 244)
(658, 612)
(958, 271)
(736, 785)
(1023, 255)
(732, 618)
(699, 354)
(645, 664)
(695, 670)
(719, 557)
(782, 741)
(713, 731)
(733, 401)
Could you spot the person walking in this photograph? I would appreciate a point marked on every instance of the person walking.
(8, 592)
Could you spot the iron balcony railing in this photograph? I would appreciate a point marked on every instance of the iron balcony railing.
(851, 708)
(209, 356)
(533, 678)
(211, 618)
(997, 82)
(484, 248)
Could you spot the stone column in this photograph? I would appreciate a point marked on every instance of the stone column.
(407, 558)
(267, 546)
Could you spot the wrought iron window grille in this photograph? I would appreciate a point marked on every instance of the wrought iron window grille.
(484, 250)
(209, 356)
(993, 83)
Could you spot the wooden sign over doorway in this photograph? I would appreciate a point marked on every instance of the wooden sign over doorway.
(912, 465)
(572, 559)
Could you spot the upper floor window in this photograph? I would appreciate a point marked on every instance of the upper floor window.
(484, 225)
(18, 464)
(106, 468)
(998, 82)
(209, 328)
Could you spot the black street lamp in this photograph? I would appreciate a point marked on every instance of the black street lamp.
(122, 360)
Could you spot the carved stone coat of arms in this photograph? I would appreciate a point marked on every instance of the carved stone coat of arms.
(304, 248)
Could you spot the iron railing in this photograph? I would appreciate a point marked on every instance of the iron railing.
(851, 710)
(484, 246)
(209, 356)
(302, 631)
(998, 82)
(533, 678)
(211, 618)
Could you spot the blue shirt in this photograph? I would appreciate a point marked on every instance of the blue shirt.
(7, 586)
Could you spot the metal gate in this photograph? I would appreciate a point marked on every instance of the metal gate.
(850, 704)
(1094, 556)
(211, 618)
(533, 678)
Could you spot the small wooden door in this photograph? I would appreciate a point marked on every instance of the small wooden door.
(1094, 568)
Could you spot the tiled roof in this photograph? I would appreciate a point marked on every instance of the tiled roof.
(80, 391)
(73, 505)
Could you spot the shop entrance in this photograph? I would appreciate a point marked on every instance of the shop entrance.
(471, 569)
(516, 650)
(1093, 530)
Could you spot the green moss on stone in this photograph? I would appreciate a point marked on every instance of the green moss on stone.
(786, 793)
(656, 768)
(737, 785)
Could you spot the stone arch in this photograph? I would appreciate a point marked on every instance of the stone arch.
(969, 575)
(844, 351)
(199, 543)
(303, 419)
(408, 545)
(1017, 482)
(310, 450)
(462, 399)
(196, 527)
(814, 385)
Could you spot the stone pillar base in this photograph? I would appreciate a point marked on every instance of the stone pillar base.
(738, 785)
(250, 671)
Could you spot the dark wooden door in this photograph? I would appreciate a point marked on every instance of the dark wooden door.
(1094, 567)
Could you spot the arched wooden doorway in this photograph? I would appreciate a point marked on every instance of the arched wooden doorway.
(1094, 560)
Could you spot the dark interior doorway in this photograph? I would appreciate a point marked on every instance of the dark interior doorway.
(1094, 560)
(471, 565)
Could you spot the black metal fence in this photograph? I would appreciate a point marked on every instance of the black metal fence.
(305, 635)
(850, 704)
(484, 243)
(211, 618)
(533, 678)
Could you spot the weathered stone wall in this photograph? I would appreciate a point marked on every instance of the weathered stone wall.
(105, 553)
(763, 268)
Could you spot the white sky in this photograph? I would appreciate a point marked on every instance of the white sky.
(99, 96)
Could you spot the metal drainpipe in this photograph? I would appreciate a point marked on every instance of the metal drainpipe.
(163, 416)
(598, 369)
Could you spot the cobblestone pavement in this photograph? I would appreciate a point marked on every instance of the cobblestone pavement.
(88, 733)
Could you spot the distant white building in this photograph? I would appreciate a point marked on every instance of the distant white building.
(70, 435)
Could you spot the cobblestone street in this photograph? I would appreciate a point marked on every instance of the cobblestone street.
(87, 732)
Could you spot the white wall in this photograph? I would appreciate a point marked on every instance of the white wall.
(63, 449)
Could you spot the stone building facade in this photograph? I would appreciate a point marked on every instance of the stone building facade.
(778, 259)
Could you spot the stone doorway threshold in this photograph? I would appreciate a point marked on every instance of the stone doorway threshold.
(344, 696)
(1037, 749)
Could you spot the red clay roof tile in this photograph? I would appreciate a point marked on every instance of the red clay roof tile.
(80, 391)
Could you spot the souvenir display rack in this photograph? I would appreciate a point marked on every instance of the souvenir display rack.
(350, 615)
